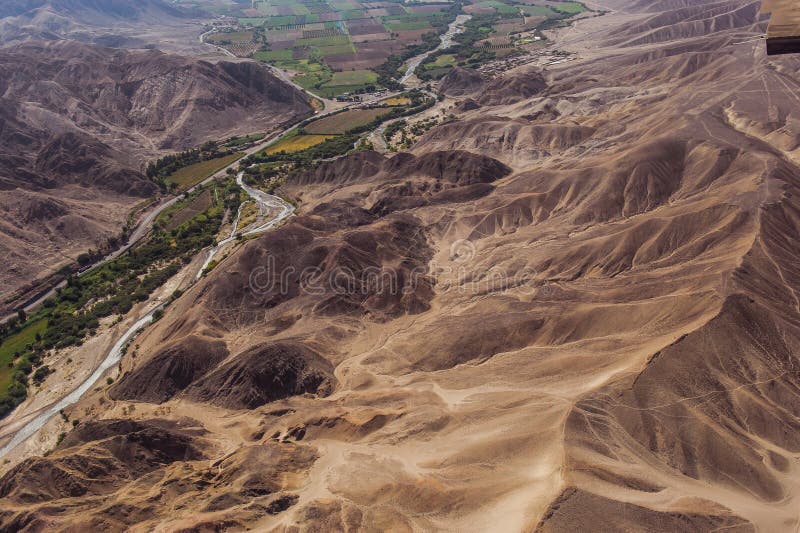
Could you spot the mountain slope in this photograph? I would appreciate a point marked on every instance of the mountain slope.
(94, 20)
(81, 122)
(574, 308)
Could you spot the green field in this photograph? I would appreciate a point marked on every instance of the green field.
(501, 7)
(572, 8)
(300, 9)
(187, 177)
(336, 49)
(353, 77)
(352, 14)
(343, 5)
(296, 143)
(253, 21)
(315, 75)
(319, 78)
(333, 40)
(274, 55)
(438, 66)
(16, 344)
(344, 122)
(444, 60)
(538, 11)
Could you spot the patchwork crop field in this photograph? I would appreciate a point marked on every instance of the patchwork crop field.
(336, 47)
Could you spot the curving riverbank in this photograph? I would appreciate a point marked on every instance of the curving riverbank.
(272, 204)
(455, 27)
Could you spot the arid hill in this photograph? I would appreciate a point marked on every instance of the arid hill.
(461, 82)
(121, 22)
(79, 123)
(575, 308)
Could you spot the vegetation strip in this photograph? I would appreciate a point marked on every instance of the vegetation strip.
(110, 289)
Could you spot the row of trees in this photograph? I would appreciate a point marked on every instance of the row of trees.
(161, 169)
(111, 289)
(390, 70)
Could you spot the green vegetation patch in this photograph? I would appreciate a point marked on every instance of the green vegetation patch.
(539, 11)
(14, 346)
(571, 8)
(323, 41)
(346, 121)
(444, 60)
(352, 14)
(109, 289)
(190, 176)
(313, 80)
(274, 55)
(353, 77)
(339, 5)
(253, 21)
(300, 9)
(233, 142)
(500, 7)
(336, 49)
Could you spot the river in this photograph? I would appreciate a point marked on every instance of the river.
(273, 204)
(456, 27)
(281, 209)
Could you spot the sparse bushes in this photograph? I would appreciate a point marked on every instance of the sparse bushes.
(41, 373)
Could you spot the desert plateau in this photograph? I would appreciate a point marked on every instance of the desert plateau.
(474, 266)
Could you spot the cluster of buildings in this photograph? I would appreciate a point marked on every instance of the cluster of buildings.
(369, 93)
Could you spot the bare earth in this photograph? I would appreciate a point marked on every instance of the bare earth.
(593, 323)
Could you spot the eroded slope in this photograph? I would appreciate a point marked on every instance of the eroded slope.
(598, 333)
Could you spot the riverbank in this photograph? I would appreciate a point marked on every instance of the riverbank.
(446, 41)
(36, 414)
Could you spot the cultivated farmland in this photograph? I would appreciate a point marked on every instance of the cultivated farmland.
(296, 143)
(330, 45)
(344, 122)
(187, 177)
(14, 345)
(184, 214)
